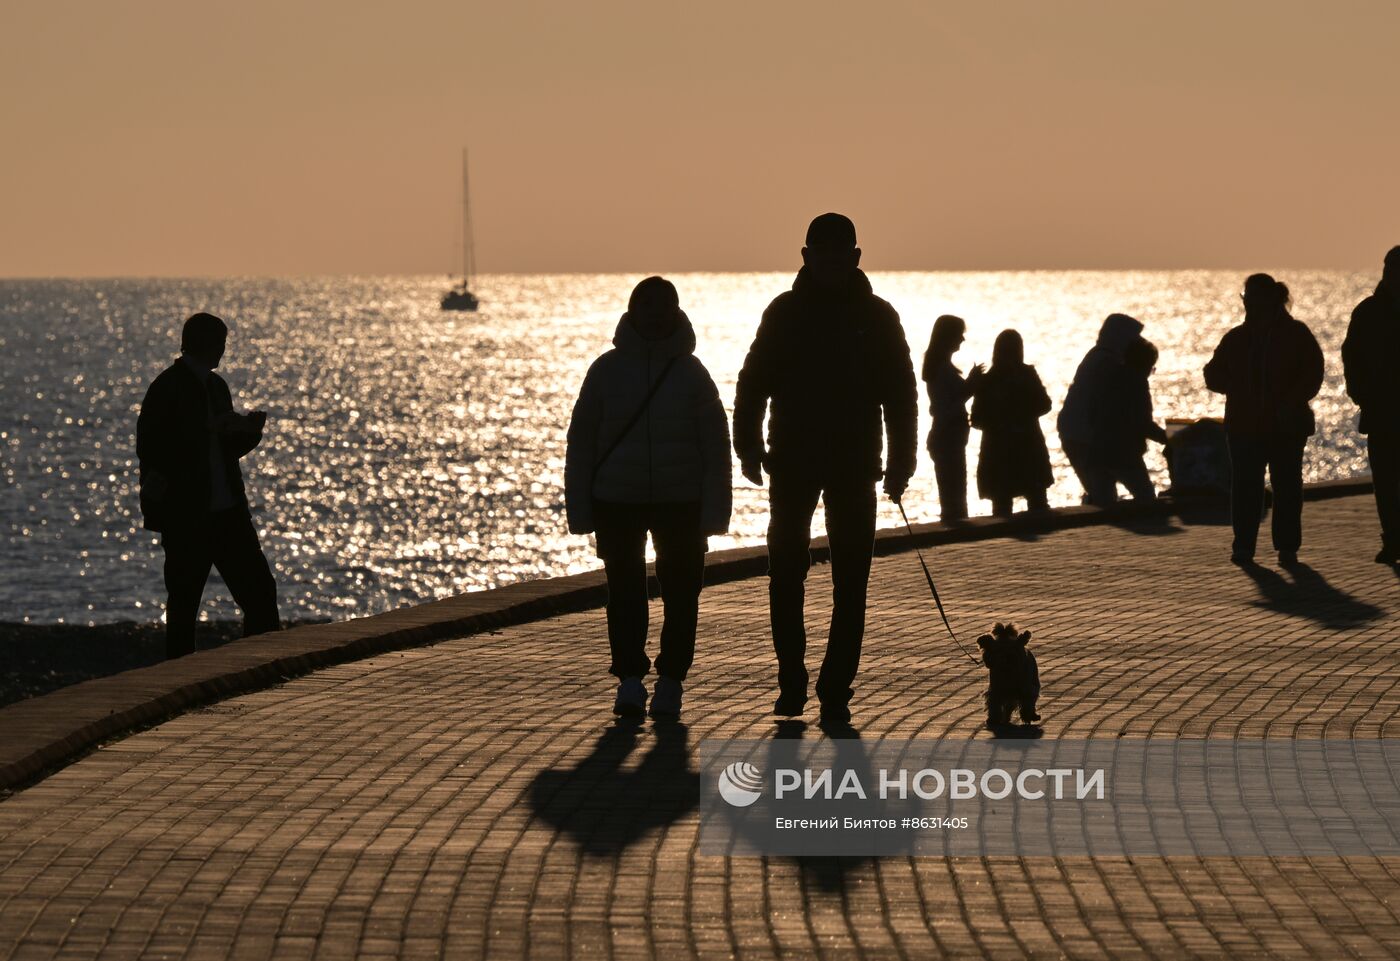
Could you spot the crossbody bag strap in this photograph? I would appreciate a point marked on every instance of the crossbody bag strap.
(636, 415)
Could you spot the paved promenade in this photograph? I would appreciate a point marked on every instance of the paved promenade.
(474, 798)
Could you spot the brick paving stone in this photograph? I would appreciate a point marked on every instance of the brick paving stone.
(473, 798)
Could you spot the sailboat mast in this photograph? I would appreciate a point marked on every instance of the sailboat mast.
(468, 247)
(461, 297)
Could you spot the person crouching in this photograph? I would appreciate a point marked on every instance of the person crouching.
(648, 452)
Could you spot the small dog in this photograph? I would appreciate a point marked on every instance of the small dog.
(1014, 678)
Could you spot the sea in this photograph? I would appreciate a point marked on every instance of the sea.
(413, 454)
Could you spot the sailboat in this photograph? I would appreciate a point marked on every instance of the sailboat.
(461, 296)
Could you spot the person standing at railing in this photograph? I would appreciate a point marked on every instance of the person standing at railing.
(948, 394)
(1371, 355)
(1269, 368)
(1006, 407)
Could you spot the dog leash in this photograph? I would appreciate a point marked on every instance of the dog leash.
(933, 590)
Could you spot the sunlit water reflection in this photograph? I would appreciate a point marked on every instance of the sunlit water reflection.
(413, 454)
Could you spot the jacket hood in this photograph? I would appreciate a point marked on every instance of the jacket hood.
(1117, 332)
(681, 341)
(856, 285)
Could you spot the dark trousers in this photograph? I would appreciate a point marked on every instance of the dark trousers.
(1383, 447)
(850, 527)
(1283, 457)
(1035, 501)
(680, 567)
(225, 540)
(950, 471)
(1094, 472)
(1100, 475)
(1131, 471)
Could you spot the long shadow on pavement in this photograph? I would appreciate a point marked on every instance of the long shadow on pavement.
(827, 874)
(1203, 512)
(605, 807)
(1149, 526)
(1309, 595)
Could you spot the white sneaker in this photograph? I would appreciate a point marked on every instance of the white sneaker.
(666, 701)
(631, 698)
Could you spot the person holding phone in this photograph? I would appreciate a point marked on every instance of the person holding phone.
(189, 440)
(948, 394)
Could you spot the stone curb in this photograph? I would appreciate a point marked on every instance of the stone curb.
(42, 732)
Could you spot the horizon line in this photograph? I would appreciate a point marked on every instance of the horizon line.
(669, 273)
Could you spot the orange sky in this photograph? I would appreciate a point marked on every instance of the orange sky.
(287, 137)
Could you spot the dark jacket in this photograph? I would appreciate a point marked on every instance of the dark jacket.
(1126, 421)
(831, 364)
(1268, 372)
(1371, 357)
(1082, 414)
(948, 392)
(172, 443)
(1007, 407)
(676, 452)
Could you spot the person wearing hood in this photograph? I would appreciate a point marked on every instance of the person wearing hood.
(1371, 356)
(648, 453)
(1086, 433)
(1007, 405)
(1269, 368)
(828, 364)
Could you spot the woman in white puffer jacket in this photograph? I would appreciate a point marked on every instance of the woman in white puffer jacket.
(648, 452)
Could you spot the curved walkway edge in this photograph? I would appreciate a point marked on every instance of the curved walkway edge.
(41, 733)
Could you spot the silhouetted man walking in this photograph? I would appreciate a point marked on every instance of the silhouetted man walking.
(1371, 355)
(832, 359)
(189, 440)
